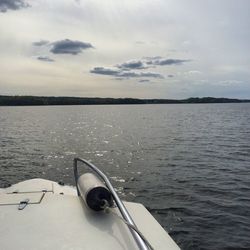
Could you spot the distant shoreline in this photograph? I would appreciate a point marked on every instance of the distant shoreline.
(51, 100)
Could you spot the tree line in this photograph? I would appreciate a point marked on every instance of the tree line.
(52, 100)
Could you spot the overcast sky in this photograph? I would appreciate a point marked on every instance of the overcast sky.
(133, 48)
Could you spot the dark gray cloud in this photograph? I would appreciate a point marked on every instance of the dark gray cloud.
(69, 47)
(124, 74)
(133, 64)
(149, 62)
(6, 5)
(153, 75)
(126, 69)
(105, 71)
(162, 61)
(41, 43)
(45, 59)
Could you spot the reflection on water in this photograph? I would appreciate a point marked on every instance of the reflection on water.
(188, 164)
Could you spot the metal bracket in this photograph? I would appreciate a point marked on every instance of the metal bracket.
(23, 204)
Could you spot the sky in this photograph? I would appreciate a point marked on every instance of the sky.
(171, 49)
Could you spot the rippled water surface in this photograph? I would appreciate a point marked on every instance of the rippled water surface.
(188, 164)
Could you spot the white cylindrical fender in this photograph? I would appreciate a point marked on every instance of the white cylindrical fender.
(95, 194)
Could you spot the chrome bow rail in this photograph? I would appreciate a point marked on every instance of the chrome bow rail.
(125, 214)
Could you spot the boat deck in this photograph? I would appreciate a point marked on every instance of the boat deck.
(56, 218)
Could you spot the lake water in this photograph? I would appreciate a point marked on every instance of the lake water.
(188, 164)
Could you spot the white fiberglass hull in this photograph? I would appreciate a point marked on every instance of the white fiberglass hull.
(56, 218)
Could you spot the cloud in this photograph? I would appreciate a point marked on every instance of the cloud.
(144, 80)
(6, 5)
(141, 74)
(40, 43)
(132, 64)
(45, 59)
(153, 75)
(130, 69)
(163, 62)
(120, 78)
(124, 74)
(126, 70)
(69, 47)
(105, 71)
(147, 62)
